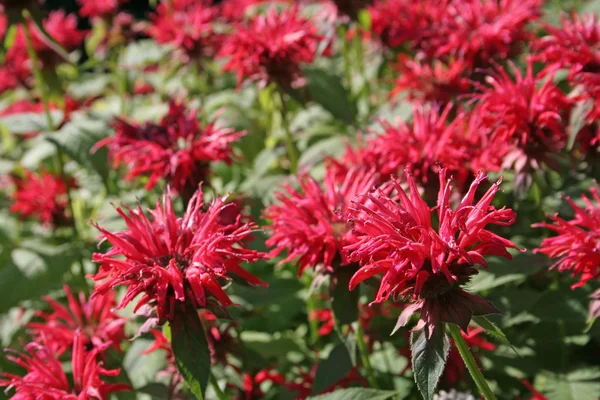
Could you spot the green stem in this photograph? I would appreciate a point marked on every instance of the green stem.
(39, 79)
(467, 357)
(313, 325)
(289, 139)
(215, 385)
(364, 356)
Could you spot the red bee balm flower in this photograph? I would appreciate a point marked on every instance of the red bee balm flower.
(308, 224)
(99, 8)
(176, 262)
(272, 47)
(92, 319)
(177, 149)
(45, 378)
(42, 196)
(576, 248)
(527, 112)
(188, 25)
(397, 239)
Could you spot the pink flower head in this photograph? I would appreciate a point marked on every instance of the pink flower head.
(405, 22)
(272, 47)
(309, 223)
(99, 8)
(42, 196)
(575, 45)
(527, 112)
(425, 145)
(176, 263)
(422, 263)
(188, 25)
(479, 31)
(576, 247)
(177, 149)
(92, 319)
(45, 378)
(435, 81)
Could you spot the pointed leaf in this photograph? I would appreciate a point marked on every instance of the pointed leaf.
(192, 355)
(356, 394)
(428, 359)
(345, 302)
(494, 331)
(333, 369)
(326, 89)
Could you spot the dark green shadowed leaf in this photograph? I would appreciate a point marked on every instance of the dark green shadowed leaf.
(326, 89)
(356, 394)
(428, 359)
(192, 355)
(345, 302)
(333, 369)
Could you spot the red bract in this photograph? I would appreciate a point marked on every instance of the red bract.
(529, 113)
(176, 263)
(42, 196)
(576, 247)
(177, 149)
(45, 378)
(426, 265)
(271, 48)
(91, 319)
(99, 8)
(308, 223)
(188, 25)
(436, 82)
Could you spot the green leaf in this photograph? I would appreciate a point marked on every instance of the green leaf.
(77, 138)
(428, 359)
(583, 384)
(356, 394)
(192, 355)
(493, 330)
(577, 120)
(345, 301)
(155, 390)
(31, 274)
(333, 369)
(326, 89)
(364, 19)
(23, 123)
(332, 146)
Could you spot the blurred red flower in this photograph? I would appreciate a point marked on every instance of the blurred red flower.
(99, 8)
(576, 247)
(176, 263)
(92, 319)
(309, 224)
(271, 47)
(426, 265)
(45, 378)
(435, 82)
(189, 25)
(177, 149)
(43, 197)
(530, 113)
(325, 317)
(251, 384)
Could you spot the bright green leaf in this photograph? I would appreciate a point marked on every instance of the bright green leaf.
(356, 394)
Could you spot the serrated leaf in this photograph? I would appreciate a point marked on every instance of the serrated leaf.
(345, 302)
(356, 394)
(327, 90)
(333, 369)
(493, 330)
(192, 355)
(428, 359)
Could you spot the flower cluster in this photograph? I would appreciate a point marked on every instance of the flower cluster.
(188, 25)
(45, 378)
(426, 265)
(99, 9)
(309, 223)
(42, 196)
(177, 149)
(176, 263)
(271, 47)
